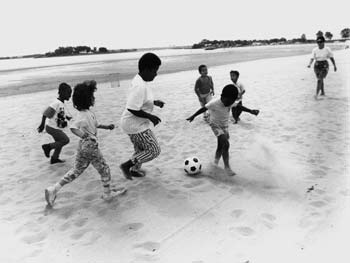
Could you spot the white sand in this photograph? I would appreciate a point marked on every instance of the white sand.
(264, 214)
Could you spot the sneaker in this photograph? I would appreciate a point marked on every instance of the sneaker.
(46, 148)
(255, 112)
(137, 173)
(54, 160)
(50, 195)
(113, 193)
(126, 170)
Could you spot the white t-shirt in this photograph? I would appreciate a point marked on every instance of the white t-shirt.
(240, 89)
(219, 113)
(86, 122)
(140, 98)
(321, 54)
(59, 119)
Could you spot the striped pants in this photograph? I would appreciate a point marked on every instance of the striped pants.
(146, 147)
(88, 152)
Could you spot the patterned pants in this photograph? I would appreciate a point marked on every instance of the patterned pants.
(146, 147)
(88, 152)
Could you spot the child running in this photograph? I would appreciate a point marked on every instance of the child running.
(58, 120)
(137, 118)
(85, 127)
(204, 88)
(219, 110)
(238, 106)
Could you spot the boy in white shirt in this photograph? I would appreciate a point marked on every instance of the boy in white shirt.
(58, 119)
(85, 126)
(137, 117)
(219, 110)
(321, 54)
(238, 107)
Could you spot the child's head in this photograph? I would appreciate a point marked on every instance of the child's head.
(203, 70)
(229, 94)
(149, 64)
(83, 95)
(234, 74)
(64, 91)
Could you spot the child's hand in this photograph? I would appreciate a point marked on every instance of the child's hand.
(40, 128)
(68, 118)
(190, 119)
(154, 119)
(111, 126)
(159, 103)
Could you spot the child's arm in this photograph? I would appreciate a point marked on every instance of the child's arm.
(196, 87)
(79, 133)
(48, 113)
(142, 114)
(106, 127)
(212, 86)
(200, 111)
(310, 63)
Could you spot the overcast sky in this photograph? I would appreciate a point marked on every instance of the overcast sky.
(39, 26)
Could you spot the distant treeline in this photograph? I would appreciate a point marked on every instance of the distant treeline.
(83, 50)
(213, 44)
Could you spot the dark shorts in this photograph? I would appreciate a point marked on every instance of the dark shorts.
(321, 69)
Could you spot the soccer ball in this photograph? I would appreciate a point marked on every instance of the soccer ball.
(192, 165)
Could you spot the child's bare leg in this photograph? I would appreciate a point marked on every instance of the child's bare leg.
(218, 152)
(225, 154)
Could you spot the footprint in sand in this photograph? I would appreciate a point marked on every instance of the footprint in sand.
(237, 213)
(91, 197)
(149, 246)
(193, 184)
(81, 222)
(318, 204)
(268, 220)
(131, 227)
(244, 231)
(345, 192)
(35, 238)
(65, 226)
(67, 195)
(319, 173)
(236, 190)
(93, 185)
(79, 234)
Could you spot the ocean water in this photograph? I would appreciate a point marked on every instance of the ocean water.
(30, 75)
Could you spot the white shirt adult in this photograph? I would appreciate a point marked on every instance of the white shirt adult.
(60, 115)
(86, 122)
(219, 113)
(140, 98)
(321, 54)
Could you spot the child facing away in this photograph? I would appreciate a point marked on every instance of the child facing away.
(204, 88)
(85, 127)
(137, 117)
(57, 116)
(219, 109)
(238, 105)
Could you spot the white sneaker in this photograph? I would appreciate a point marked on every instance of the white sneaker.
(50, 195)
(113, 193)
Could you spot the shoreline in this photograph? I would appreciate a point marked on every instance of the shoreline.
(105, 71)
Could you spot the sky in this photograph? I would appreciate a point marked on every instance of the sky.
(40, 26)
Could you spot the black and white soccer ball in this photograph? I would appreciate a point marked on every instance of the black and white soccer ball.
(192, 165)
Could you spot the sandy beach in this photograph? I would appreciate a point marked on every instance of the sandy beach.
(289, 201)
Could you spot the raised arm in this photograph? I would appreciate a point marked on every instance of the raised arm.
(48, 113)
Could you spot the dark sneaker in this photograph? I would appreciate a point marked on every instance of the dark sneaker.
(255, 112)
(135, 173)
(46, 148)
(54, 160)
(126, 170)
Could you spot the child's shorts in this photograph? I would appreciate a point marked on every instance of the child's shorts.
(219, 130)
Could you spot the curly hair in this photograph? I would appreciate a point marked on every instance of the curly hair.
(201, 67)
(149, 61)
(83, 95)
(230, 91)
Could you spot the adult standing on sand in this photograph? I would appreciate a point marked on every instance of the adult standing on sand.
(321, 54)
(137, 118)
